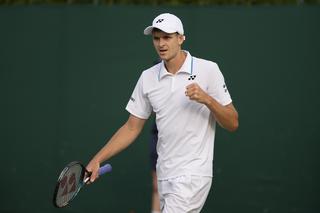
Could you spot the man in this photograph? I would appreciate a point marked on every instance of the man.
(188, 96)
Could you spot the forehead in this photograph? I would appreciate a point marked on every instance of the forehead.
(160, 33)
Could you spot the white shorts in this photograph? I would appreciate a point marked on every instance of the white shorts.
(184, 194)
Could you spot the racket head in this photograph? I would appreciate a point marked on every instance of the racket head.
(69, 183)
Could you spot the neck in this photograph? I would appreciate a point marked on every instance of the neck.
(173, 65)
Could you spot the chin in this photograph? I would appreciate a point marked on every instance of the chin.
(163, 57)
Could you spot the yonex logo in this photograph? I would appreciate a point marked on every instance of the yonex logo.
(225, 88)
(160, 20)
(192, 77)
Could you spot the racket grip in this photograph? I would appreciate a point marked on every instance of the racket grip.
(104, 169)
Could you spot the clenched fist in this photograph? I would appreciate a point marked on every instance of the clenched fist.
(194, 92)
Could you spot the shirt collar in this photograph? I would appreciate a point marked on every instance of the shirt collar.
(185, 68)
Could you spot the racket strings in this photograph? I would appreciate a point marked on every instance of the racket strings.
(69, 185)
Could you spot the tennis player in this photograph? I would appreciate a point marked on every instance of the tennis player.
(188, 96)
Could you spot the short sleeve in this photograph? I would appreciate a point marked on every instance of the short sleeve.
(217, 86)
(139, 104)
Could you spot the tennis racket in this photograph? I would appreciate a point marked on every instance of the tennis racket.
(72, 178)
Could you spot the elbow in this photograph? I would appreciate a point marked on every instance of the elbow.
(234, 124)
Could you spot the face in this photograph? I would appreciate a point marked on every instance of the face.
(167, 45)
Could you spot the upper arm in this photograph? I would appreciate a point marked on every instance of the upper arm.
(234, 117)
(217, 86)
(139, 104)
(135, 123)
(231, 107)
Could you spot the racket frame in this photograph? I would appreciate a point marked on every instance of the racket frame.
(79, 184)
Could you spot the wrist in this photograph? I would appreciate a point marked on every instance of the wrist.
(95, 161)
(208, 101)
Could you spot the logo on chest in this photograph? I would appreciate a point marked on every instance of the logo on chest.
(192, 77)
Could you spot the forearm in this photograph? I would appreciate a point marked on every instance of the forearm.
(226, 116)
(118, 142)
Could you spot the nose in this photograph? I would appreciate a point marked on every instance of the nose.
(161, 42)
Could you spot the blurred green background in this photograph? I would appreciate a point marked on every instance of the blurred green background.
(162, 2)
(66, 73)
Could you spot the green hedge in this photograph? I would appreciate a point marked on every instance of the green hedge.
(164, 2)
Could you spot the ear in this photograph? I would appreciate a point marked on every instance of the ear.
(181, 39)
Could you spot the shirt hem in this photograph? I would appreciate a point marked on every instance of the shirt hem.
(184, 174)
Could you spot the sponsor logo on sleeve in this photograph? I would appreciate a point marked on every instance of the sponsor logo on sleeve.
(225, 88)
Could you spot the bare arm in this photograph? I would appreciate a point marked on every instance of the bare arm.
(226, 116)
(118, 142)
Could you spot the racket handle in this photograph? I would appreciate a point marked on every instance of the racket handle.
(104, 169)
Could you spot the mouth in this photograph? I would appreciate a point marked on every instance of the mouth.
(162, 51)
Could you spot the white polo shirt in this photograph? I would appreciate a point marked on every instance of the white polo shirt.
(186, 129)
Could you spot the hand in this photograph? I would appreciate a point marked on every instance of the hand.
(194, 92)
(93, 167)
